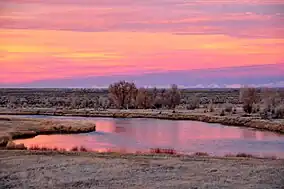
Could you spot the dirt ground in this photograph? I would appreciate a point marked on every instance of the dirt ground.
(25, 169)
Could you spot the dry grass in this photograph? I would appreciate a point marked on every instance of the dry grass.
(201, 154)
(83, 149)
(44, 148)
(75, 149)
(243, 155)
(34, 169)
(153, 151)
(15, 128)
(235, 120)
(12, 146)
(163, 151)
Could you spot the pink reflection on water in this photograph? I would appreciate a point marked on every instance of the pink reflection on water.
(105, 126)
(133, 135)
(66, 142)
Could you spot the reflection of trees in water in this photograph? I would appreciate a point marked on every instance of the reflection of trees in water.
(167, 133)
(257, 135)
(120, 129)
(270, 134)
(153, 132)
(249, 134)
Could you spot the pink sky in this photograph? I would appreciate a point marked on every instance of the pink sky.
(55, 39)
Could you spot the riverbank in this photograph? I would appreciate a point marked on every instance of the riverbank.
(233, 120)
(12, 127)
(27, 169)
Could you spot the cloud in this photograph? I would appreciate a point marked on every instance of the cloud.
(56, 39)
(162, 16)
(44, 54)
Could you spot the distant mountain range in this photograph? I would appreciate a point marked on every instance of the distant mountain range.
(233, 77)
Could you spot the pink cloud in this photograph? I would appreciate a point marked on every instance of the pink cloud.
(72, 38)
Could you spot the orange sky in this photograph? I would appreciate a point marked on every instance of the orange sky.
(65, 39)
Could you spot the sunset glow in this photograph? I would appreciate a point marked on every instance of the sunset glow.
(57, 39)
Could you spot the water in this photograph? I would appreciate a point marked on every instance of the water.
(132, 135)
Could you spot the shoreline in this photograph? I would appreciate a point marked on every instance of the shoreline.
(12, 128)
(248, 122)
(149, 155)
(31, 127)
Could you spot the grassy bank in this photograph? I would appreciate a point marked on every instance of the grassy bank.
(27, 169)
(234, 120)
(15, 128)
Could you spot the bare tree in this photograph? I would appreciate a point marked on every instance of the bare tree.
(103, 102)
(122, 94)
(248, 96)
(144, 99)
(193, 102)
(174, 96)
(271, 98)
(155, 92)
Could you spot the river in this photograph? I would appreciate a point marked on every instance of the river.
(133, 135)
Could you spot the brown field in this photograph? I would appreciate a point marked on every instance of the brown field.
(268, 105)
(27, 169)
(95, 98)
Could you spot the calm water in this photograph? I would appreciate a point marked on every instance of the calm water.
(133, 135)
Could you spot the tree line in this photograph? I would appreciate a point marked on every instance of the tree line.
(267, 102)
(125, 95)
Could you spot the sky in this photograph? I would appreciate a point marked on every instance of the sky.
(91, 43)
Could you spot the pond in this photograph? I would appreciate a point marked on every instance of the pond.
(133, 135)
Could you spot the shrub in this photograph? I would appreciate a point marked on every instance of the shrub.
(13, 146)
(228, 108)
(4, 140)
(211, 107)
(193, 103)
(45, 149)
(265, 114)
(247, 108)
(244, 155)
(222, 113)
(271, 98)
(229, 155)
(62, 149)
(162, 151)
(158, 102)
(83, 149)
(279, 112)
(74, 149)
(249, 97)
(174, 96)
(201, 154)
(255, 108)
(21, 147)
(34, 147)
(272, 111)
